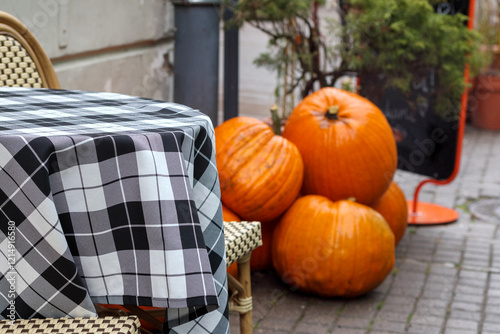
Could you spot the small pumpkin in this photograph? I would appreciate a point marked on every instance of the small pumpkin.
(228, 215)
(342, 248)
(346, 143)
(260, 173)
(393, 207)
(261, 256)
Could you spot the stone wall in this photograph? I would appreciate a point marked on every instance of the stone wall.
(123, 46)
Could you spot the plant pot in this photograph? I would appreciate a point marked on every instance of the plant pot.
(485, 102)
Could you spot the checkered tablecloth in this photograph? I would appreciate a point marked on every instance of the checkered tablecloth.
(108, 198)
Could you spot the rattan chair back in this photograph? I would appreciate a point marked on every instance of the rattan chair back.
(23, 63)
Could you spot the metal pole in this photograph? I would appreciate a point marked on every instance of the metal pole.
(231, 66)
(196, 70)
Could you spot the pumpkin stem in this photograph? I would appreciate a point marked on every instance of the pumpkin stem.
(333, 112)
(352, 199)
(276, 119)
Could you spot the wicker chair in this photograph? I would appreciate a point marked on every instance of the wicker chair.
(23, 63)
(106, 325)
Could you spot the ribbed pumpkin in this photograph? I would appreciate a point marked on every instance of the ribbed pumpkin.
(393, 207)
(342, 248)
(260, 173)
(346, 144)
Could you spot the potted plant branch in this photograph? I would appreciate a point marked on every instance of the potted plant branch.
(399, 40)
(484, 104)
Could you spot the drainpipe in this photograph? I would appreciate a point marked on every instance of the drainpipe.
(196, 70)
(231, 67)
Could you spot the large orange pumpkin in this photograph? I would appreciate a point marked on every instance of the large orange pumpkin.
(393, 207)
(260, 173)
(332, 249)
(346, 144)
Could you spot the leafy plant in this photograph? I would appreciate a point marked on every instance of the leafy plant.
(488, 25)
(399, 39)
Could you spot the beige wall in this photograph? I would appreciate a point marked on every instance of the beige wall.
(123, 46)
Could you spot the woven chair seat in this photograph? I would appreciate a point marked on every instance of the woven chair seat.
(23, 62)
(17, 69)
(111, 325)
(241, 238)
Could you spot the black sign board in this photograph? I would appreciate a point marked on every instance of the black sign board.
(426, 141)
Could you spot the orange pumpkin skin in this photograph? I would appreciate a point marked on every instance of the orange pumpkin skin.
(261, 256)
(228, 215)
(233, 269)
(260, 173)
(393, 207)
(344, 250)
(352, 156)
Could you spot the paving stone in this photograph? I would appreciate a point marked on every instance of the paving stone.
(353, 322)
(463, 324)
(432, 307)
(458, 331)
(472, 282)
(493, 293)
(491, 327)
(409, 278)
(311, 328)
(423, 329)
(447, 258)
(441, 271)
(234, 322)
(290, 309)
(475, 263)
(260, 331)
(428, 320)
(277, 324)
(476, 275)
(466, 315)
(415, 285)
(339, 330)
(388, 326)
(493, 318)
(471, 290)
(493, 309)
(391, 315)
(400, 301)
(463, 306)
(441, 279)
(480, 257)
(384, 287)
(415, 292)
(462, 297)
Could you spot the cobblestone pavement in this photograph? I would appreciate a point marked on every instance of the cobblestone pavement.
(446, 278)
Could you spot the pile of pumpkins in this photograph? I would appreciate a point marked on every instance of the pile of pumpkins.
(324, 193)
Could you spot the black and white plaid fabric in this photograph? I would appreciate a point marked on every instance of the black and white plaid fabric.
(115, 199)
